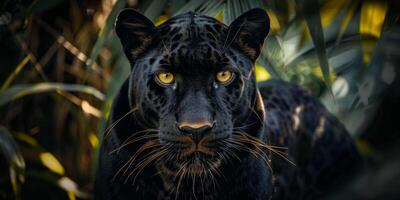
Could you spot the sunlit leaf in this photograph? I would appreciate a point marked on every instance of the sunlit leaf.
(261, 73)
(94, 141)
(220, 15)
(46, 158)
(161, 19)
(71, 196)
(27, 139)
(371, 23)
(51, 163)
(89, 109)
(18, 91)
(274, 22)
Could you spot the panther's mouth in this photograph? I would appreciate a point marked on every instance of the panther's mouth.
(198, 149)
(191, 157)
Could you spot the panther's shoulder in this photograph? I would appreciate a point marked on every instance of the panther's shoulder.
(322, 150)
(274, 91)
(291, 109)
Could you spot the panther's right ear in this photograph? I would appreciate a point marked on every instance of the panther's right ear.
(135, 32)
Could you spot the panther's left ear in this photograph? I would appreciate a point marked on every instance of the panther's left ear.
(248, 32)
(135, 31)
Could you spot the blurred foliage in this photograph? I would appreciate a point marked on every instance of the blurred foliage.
(61, 66)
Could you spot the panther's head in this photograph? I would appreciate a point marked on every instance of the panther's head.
(193, 81)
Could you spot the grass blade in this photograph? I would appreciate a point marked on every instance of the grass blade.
(313, 20)
(14, 74)
(18, 91)
(14, 160)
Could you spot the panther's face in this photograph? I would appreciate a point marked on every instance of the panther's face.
(192, 80)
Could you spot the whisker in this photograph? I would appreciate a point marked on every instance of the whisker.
(138, 132)
(111, 127)
(181, 176)
(258, 154)
(140, 150)
(257, 142)
(193, 184)
(133, 141)
(239, 128)
(146, 161)
(258, 116)
(128, 163)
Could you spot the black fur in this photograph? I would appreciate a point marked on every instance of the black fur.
(236, 163)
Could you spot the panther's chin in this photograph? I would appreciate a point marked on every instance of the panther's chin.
(195, 164)
(199, 166)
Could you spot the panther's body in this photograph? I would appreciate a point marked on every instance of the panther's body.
(236, 154)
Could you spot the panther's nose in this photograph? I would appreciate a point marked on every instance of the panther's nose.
(196, 129)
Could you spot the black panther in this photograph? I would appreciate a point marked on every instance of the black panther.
(190, 122)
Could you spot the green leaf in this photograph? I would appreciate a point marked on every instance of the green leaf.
(18, 91)
(313, 20)
(271, 56)
(118, 76)
(104, 32)
(16, 164)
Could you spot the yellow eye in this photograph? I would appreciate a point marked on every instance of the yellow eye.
(165, 78)
(224, 76)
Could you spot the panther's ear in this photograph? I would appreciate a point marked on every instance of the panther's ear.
(135, 31)
(248, 31)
